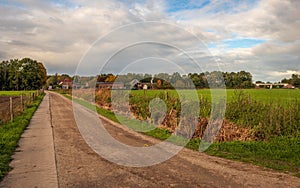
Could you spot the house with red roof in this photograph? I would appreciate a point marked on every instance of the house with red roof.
(67, 83)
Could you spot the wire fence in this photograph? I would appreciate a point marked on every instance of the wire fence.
(11, 106)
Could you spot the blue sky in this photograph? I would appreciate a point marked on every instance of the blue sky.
(175, 6)
(231, 6)
(11, 3)
(65, 3)
(243, 43)
(237, 43)
(261, 37)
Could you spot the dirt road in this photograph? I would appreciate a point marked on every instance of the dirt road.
(79, 166)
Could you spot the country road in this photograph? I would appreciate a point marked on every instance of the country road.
(78, 165)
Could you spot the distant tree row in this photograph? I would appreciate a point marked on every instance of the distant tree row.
(231, 80)
(294, 80)
(25, 74)
(214, 79)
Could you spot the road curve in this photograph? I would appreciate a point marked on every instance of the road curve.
(79, 166)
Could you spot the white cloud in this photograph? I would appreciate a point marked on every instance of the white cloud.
(59, 34)
(277, 22)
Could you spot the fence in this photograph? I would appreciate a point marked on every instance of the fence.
(11, 106)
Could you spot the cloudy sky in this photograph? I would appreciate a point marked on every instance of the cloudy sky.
(261, 37)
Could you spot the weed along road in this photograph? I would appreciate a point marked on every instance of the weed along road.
(79, 166)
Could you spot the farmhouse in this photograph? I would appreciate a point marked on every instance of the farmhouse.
(67, 83)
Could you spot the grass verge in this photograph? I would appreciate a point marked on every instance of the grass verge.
(278, 153)
(11, 132)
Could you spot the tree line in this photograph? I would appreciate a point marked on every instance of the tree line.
(24, 74)
(231, 80)
(215, 79)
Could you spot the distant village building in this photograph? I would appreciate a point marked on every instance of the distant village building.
(135, 84)
(76, 85)
(145, 87)
(67, 83)
(288, 86)
(274, 86)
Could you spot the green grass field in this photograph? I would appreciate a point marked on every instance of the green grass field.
(15, 93)
(263, 95)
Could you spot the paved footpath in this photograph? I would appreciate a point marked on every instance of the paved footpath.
(34, 162)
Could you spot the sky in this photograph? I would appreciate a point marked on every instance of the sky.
(149, 36)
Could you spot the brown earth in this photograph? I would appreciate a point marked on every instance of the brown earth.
(79, 166)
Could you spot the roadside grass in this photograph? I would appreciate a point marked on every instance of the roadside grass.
(11, 132)
(278, 153)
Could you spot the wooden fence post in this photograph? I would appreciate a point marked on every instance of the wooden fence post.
(32, 96)
(11, 109)
(22, 107)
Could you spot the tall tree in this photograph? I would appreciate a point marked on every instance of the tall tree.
(22, 74)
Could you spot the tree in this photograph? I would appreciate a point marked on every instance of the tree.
(259, 82)
(295, 80)
(110, 78)
(33, 74)
(22, 74)
(288, 81)
(159, 83)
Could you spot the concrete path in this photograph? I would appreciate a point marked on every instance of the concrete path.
(34, 162)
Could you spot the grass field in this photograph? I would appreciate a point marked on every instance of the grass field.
(282, 96)
(15, 93)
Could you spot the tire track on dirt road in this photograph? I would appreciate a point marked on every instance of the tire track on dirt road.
(79, 166)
